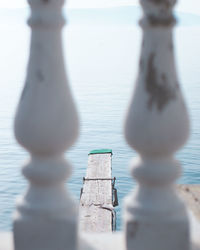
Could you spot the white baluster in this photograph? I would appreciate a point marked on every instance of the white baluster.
(46, 124)
(157, 125)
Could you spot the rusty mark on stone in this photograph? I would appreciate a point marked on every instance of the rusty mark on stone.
(158, 89)
(132, 228)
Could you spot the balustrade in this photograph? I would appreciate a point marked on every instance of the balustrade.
(157, 125)
(46, 124)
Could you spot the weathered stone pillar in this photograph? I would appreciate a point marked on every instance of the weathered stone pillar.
(157, 125)
(46, 124)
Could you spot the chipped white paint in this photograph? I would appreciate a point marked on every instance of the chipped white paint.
(46, 124)
(96, 209)
(157, 125)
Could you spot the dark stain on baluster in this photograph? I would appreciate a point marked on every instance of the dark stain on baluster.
(159, 90)
(40, 75)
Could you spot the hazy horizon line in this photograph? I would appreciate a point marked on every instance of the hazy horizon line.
(97, 8)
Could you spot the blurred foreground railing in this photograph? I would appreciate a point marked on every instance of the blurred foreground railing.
(46, 124)
(157, 125)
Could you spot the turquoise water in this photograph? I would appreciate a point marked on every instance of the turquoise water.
(102, 67)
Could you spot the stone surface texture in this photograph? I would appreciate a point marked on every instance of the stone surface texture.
(157, 125)
(46, 125)
(96, 205)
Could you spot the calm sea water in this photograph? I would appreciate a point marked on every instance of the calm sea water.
(102, 67)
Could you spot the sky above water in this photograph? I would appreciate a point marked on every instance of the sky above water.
(188, 6)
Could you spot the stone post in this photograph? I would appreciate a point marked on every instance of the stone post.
(46, 124)
(157, 125)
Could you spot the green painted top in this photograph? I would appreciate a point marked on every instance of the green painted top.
(101, 151)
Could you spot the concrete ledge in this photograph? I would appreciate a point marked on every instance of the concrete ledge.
(89, 241)
(115, 241)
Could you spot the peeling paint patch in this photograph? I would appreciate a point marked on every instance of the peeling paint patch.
(160, 93)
